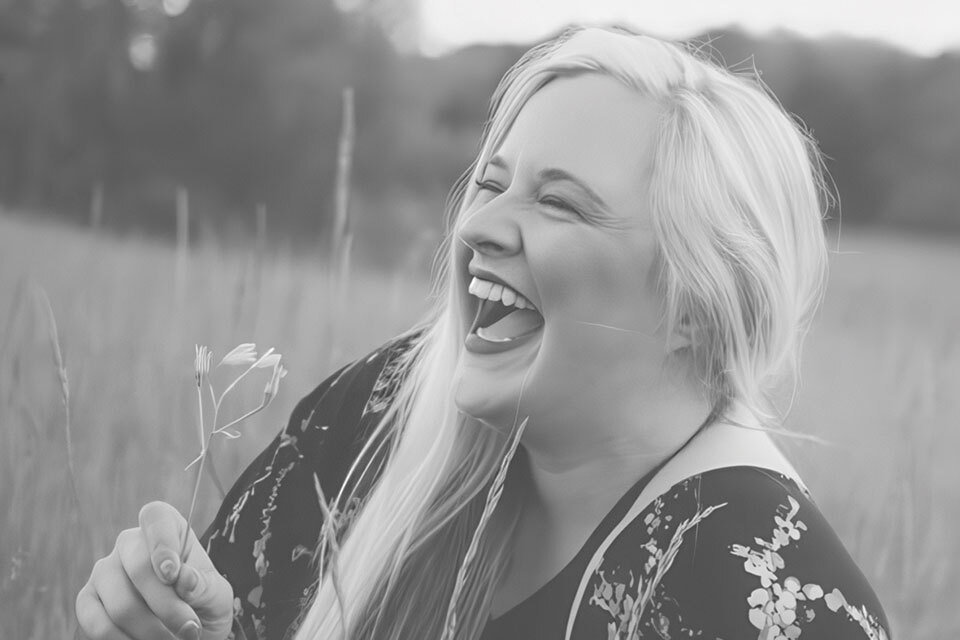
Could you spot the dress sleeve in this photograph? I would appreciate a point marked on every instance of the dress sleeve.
(765, 564)
(265, 533)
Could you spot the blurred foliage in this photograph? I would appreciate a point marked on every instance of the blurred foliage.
(239, 101)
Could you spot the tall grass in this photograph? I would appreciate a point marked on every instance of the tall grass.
(127, 342)
(881, 382)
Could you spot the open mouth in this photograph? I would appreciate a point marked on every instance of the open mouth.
(504, 317)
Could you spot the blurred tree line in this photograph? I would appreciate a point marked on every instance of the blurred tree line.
(239, 101)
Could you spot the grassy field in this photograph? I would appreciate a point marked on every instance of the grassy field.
(881, 385)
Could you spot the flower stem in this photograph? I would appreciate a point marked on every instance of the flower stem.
(193, 499)
(241, 418)
(200, 413)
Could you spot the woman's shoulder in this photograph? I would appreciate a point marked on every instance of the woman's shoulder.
(364, 383)
(730, 552)
(344, 403)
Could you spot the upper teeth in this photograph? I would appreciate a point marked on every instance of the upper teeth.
(486, 290)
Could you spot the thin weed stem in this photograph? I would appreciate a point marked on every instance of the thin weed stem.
(215, 476)
(493, 498)
(342, 236)
(64, 394)
(329, 539)
(193, 503)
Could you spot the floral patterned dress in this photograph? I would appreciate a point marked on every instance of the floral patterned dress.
(732, 553)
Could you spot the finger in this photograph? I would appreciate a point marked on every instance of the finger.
(123, 605)
(163, 602)
(209, 594)
(92, 617)
(163, 529)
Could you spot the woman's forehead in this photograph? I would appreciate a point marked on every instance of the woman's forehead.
(588, 125)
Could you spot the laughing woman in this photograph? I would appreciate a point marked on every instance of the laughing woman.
(630, 267)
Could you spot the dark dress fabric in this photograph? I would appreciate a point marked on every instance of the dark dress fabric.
(732, 553)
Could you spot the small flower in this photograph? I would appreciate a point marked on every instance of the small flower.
(270, 391)
(245, 353)
(268, 360)
(201, 363)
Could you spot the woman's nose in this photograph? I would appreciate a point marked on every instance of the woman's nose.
(492, 229)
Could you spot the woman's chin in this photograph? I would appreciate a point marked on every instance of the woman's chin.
(479, 401)
(490, 411)
(488, 381)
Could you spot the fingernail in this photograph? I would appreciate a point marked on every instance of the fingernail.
(189, 631)
(168, 569)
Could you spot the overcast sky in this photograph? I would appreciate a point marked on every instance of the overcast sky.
(922, 26)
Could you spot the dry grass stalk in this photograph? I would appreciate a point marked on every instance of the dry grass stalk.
(64, 391)
(261, 228)
(96, 205)
(341, 228)
(19, 295)
(259, 255)
(493, 497)
(183, 238)
(328, 540)
(342, 237)
(645, 590)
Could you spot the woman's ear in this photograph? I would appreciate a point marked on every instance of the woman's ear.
(681, 337)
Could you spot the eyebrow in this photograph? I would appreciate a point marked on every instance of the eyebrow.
(556, 174)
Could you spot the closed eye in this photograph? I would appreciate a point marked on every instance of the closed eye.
(557, 203)
(488, 185)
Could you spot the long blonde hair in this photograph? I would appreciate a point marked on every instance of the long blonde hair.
(736, 199)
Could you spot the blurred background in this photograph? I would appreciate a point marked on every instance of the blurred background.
(175, 172)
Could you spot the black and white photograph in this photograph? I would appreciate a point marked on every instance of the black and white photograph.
(463, 320)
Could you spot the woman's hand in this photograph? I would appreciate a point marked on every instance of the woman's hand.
(143, 591)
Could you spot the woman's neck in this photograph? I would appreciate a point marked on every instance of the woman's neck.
(573, 485)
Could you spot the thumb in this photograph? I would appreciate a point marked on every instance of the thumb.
(163, 529)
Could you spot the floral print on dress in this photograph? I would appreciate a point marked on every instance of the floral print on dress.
(682, 567)
(386, 386)
(779, 609)
(638, 603)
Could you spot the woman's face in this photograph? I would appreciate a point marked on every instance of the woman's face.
(561, 215)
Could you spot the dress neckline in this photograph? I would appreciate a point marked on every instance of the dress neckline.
(579, 561)
(615, 513)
